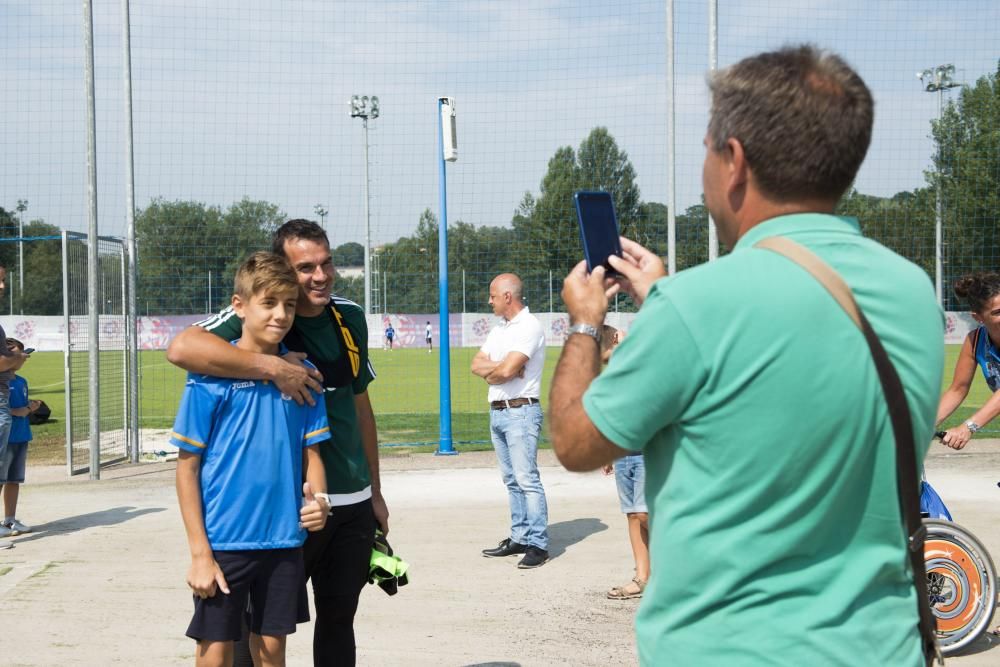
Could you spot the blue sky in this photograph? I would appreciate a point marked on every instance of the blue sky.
(250, 98)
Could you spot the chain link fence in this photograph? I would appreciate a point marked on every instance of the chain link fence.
(241, 121)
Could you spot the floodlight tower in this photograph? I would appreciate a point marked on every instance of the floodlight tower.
(22, 206)
(938, 80)
(321, 212)
(365, 107)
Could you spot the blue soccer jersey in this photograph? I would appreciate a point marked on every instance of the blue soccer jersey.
(986, 353)
(251, 439)
(20, 429)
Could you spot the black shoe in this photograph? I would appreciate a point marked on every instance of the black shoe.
(505, 548)
(533, 557)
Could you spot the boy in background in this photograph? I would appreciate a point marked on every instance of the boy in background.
(15, 454)
(630, 478)
(244, 447)
(390, 334)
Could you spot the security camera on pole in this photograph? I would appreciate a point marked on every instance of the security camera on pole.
(448, 151)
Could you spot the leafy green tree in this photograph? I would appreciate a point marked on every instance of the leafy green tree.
(189, 252)
(552, 240)
(348, 254)
(43, 290)
(967, 168)
(548, 240)
(603, 166)
(8, 250)
(410, 266)
(903, 223)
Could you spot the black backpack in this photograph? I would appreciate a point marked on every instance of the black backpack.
(41, 415)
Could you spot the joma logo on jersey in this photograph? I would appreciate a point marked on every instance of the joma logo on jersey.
(243, 385)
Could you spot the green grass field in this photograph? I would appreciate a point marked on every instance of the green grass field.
(405, 397)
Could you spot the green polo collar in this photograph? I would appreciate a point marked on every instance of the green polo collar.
(789, 225)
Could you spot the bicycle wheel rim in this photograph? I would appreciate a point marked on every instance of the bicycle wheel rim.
(961, 583)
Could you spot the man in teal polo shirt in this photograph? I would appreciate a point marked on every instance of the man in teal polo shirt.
(776, 536)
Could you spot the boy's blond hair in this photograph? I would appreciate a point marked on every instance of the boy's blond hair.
(264, 272)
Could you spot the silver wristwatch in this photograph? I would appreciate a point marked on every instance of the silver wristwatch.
(972, 426)
(587, 329)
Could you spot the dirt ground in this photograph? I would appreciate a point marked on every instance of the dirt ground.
(101, 580)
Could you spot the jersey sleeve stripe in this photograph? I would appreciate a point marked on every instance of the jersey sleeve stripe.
(216, 320)
(325, 429)
(341, 301)
(189, 441)
(371, 369)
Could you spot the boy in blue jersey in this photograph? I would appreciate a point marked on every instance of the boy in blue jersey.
(14, 456)
(244, 448)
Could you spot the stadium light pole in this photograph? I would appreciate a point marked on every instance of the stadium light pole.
(938, 80)
(22, 206)
(447, 152)
(365, 107)
(321, 212)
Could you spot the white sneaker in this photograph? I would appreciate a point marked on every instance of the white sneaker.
(17, 528)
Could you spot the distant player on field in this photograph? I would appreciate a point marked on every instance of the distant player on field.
(390, 334)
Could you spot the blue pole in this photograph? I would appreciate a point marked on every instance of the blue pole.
(444, 365)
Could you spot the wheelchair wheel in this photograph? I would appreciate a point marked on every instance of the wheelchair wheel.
(961, 583)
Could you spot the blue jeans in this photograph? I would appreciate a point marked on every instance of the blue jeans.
(630, 478)
(515, 439)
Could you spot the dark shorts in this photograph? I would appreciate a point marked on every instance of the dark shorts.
(272, 580)
(12, 460)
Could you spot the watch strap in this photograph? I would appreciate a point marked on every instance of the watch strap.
(586, 329)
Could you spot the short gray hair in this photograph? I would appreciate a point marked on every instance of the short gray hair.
(803, 117)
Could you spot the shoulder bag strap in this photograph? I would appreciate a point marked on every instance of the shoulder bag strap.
(907, 483)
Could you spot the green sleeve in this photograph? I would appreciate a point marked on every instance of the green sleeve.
(225, 324)
(652, 379)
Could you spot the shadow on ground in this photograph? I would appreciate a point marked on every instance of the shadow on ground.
(567, 533)
(987, 642)
(72, 524)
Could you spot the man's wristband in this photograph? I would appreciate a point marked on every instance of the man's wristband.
(587, 329)
(325, 497)
(972, 426)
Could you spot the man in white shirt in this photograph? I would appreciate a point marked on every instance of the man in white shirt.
(511, 362)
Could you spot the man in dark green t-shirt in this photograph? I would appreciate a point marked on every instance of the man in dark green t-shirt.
(333, 334)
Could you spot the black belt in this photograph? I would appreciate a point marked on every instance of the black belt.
(512, 403)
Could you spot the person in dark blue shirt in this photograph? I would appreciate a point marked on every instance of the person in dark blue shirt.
(981, 348)
(244, 448)
(390, 335)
